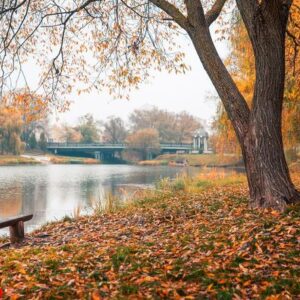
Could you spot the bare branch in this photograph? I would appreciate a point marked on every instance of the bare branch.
(173, 12)
(12, 8)
(214, 12)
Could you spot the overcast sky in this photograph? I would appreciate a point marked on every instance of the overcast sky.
(190, 92)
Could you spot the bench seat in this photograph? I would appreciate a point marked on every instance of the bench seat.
(16, 227)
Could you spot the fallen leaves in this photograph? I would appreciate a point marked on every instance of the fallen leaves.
(174, 246)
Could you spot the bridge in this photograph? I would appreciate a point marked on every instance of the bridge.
(107, 151)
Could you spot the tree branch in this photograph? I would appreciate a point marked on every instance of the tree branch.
(13, 8)
(234, 102)
(173, 12)
(214, 12)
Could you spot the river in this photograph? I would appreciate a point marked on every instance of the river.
(51, 192)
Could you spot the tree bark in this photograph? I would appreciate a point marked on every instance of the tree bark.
(267, 171)
(259, 129)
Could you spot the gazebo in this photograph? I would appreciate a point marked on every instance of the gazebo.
(200, 141)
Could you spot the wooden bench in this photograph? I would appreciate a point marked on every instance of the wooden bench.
(16, 227)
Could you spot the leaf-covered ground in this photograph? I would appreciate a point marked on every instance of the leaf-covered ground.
(205, 245)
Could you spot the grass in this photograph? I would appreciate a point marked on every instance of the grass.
(72, 160)
(208, 179)
(6, 160)
(191, 238)
(209, 160)
(106, 203)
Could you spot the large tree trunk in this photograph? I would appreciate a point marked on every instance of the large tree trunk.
(267, 171)
(268, 176)
(258, 129)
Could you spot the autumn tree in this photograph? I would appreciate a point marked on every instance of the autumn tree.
(160, 120)
(10, 131)
(34, 109)
(185, 127)
(115, 131)
(128, 37)
(171, 127)
(65, 133)
(241, 64)
(145, 141)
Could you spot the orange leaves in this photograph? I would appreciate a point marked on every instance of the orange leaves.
(96, 296)
(144, 140)
(146, 279)
(181, 245)
(32, 107)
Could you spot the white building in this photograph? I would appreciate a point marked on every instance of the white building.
(200, 141)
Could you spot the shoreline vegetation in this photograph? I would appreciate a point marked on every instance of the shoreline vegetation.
(206, 243)
(7, 160)
(196, 160)
(172, 160)
(38, 159)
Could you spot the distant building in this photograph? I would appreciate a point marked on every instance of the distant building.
(200, 141)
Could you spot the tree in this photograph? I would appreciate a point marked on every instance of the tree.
(161, 120)
(186, 126)
(32, 141)
(89, 129)
(34, 109)
(114, 130)
(66, 133)
(43, 142)
(10, 131)
(145, 141)
(136, 36)
(241, 64)
(171, 127)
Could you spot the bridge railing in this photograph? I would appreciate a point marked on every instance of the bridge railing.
(82, 145)
(109, 145)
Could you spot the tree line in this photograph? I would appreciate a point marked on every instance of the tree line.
(27, 128)
(169, 127)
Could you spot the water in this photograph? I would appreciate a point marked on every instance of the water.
(51, 192)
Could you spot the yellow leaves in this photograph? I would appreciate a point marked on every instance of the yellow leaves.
(243, 269)
(32, 107)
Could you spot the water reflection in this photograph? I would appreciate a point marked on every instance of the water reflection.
(52, 191)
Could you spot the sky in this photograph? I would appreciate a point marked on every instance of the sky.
(191, 92)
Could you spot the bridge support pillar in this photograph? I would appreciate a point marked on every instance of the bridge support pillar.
(98, 155)
(149, 156)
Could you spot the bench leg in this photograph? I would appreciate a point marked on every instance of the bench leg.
(16, 232)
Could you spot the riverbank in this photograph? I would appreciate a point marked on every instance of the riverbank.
(184, 241)
(8, 160)
(34, 159)
(196, 160)
(72, 160)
